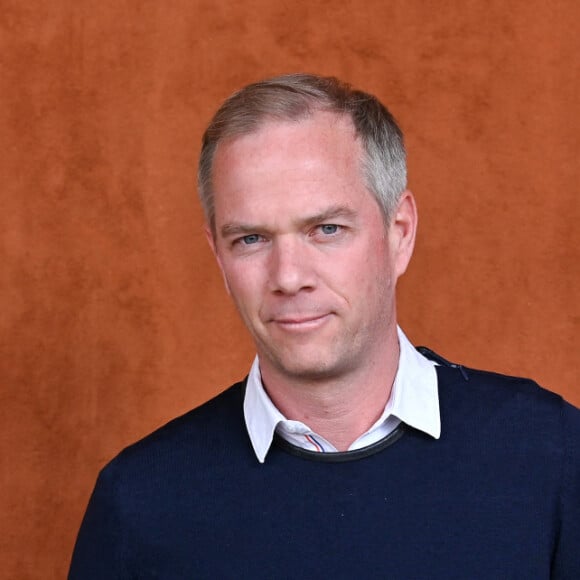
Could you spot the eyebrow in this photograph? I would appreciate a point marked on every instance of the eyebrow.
(333, 212)
(234, 229)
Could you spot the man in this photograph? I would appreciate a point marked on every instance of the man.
(346, 453)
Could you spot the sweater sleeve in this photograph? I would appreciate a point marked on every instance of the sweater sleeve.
(566, 565)
(98, 551)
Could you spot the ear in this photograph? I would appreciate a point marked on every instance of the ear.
(213, 245)
(402, 232)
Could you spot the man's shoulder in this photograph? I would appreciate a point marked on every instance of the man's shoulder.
(495, 384)
(482, 395)
(200, 435)
(489, 384)
(225, 406)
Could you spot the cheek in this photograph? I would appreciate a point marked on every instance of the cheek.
(243, 285)
(370, 263)
(374, 276)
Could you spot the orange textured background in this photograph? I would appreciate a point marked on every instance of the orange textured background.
(113, 318)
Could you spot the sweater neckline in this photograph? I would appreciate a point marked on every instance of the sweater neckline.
(341, 456)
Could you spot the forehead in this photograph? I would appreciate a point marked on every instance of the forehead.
(332, 132)
(314, 159)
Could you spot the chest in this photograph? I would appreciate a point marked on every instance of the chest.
(394, 516)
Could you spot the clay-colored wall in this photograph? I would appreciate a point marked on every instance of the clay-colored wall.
(113, 318)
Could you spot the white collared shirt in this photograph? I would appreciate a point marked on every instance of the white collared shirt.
(414, 400)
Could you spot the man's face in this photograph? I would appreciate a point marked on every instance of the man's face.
(304, 250)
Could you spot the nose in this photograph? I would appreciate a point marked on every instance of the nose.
(291, 270)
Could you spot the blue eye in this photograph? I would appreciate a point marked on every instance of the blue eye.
(251, 239)
(329, 229)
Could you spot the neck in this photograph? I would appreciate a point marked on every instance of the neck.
(339, 408)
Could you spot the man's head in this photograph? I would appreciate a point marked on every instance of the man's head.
(308, 253)
(296, 97)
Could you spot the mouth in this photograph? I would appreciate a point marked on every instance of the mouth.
(301, 323)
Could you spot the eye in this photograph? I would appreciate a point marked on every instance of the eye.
(250, 239)
(329, 229)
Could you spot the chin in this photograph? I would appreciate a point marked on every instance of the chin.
(310, 369)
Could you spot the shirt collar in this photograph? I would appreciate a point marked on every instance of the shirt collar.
(414, 399)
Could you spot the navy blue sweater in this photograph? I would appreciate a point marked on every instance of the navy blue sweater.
(496, 497)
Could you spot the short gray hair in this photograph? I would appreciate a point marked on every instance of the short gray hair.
(295, 97)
